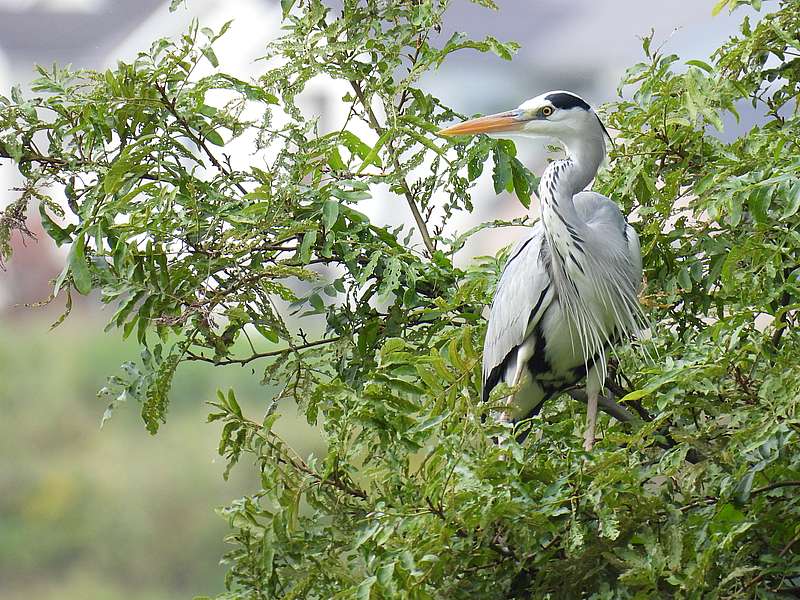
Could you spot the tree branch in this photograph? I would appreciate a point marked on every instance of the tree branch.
(775, 486)
(781, 322)
(33, 157)
(332, 482)
(607, 404)
(170, 105)
(409, 196)
(191, 356)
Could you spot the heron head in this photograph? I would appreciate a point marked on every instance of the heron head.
(558, 114)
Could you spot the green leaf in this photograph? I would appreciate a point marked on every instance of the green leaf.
(684, 278)
(721, 4)
(759, 201)
(366, 534)
(335, 160)
(353, 143)
(59, 234)
(701, 64)
(233, 404)
(330, 213)
(744, 487)
(792, 200)
(504, 50)
(373, 157)
(119, 170)
(503, 175)
(309, 239)
(351, 196)
(286, 7)
(209, 53)
(385, 574)
(523, 181)
(365, 588)
(213, 136)
(430, 423)
(78, 267)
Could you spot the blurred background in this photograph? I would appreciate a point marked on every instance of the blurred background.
(84, 511)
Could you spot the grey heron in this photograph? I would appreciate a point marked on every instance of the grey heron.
(569, 290)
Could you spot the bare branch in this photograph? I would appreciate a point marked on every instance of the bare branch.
(191, 356)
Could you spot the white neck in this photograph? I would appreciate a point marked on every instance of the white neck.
(560, 182)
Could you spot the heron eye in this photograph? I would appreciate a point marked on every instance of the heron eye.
(547, 111)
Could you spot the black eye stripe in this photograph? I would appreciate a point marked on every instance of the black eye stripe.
(567, 101)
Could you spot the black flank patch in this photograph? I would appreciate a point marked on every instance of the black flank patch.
(538, 364)
(567, 101)
(496, 373)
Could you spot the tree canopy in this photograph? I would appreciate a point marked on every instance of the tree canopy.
(374, 333)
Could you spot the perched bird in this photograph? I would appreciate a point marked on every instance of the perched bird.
(569, 290)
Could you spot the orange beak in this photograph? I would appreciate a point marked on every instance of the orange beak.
(504, 122)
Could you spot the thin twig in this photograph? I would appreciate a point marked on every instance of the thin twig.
(409, 196)
(791, 543)
(607, 404)
(775, 486)
(301, 466)
(33, 157)
(191, 356)
(171, 106)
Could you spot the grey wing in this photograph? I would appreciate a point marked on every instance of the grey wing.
(598, 210)
(523, 294)
(635, 255)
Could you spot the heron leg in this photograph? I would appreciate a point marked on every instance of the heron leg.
(591, 420)
(594, 387)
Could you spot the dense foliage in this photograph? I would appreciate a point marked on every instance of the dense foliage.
(208, 257)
